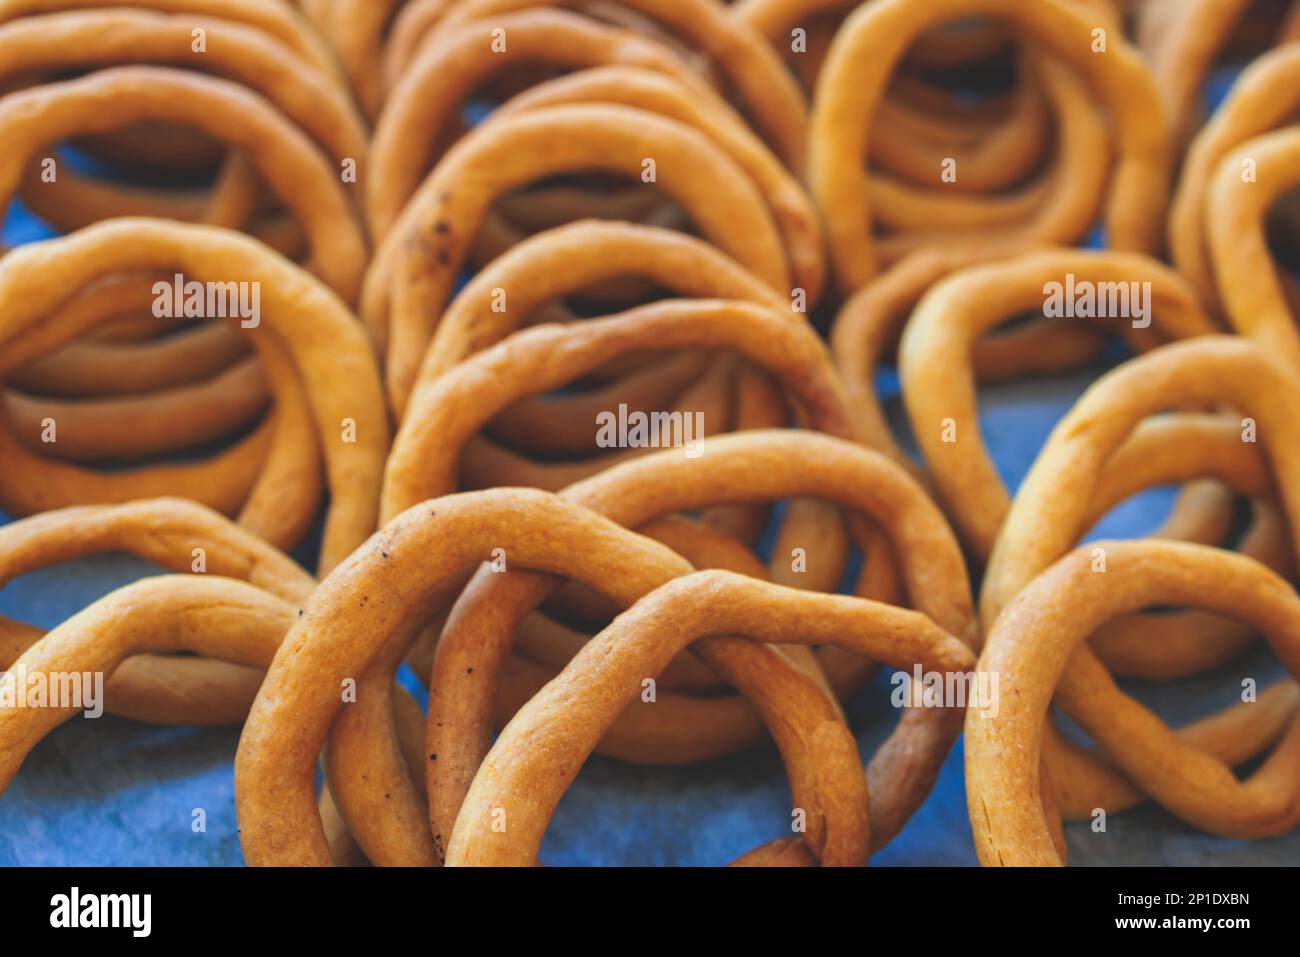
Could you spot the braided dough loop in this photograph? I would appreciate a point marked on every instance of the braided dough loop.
(1256, 300)
(392, 578)
(558, 729)
(745, 467)
(1039, 650)
(327, 345)
(420, 257)
(865, 52)
(289, 162)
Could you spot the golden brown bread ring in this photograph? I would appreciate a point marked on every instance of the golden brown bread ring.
(1038, 648)
(84, 39)
(416, 125)
(159, 690)
(768, 93)
(1055, 500)
(938, 384)
(639, 88)
(1250, 284)
(745, 467)
(393, 577)
(418, 260)
(1265, 95)
(217, 617)
(447, 410)
(567, 259)
(864, 54)
(1059, 206)
(327, 345)
(108, 99)
(560, 727)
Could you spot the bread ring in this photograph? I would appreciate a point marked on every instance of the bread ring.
(109, 99)
(219, 617)
(291, 716)
(768, 92)
(1037, 646)
(159, 690)
(420, 257)
(565, 721)
(864, 53)
(1054, 502)
(791, 207)
(948, 320)
(113, 37)
(327, 345)
(743, 467)
(418, 115)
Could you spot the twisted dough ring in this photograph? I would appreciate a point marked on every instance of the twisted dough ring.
(1265, 95)
(1256, 302)
(864, 53)
(767, 90)
(751, 466)
(289, 162)
(159, 690)
(566, 719)
(327, 346)
(1054, 502)
(238, 52)
(1039, 650)
(393, 577)
(418, 119)
(419, 258)
(938, 383)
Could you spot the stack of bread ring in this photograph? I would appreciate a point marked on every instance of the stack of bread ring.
(461, 234)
